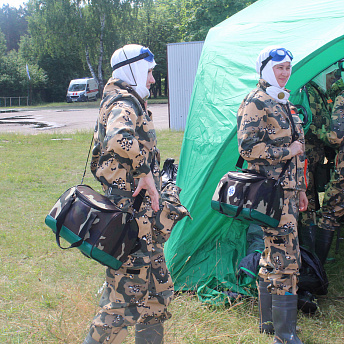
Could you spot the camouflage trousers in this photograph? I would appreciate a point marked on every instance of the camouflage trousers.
(315, 156)
(333, 204)
(138, 292)
(281, 260)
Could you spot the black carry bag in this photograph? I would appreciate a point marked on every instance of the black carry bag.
(249, 196)
(93, 224)
(90, 222)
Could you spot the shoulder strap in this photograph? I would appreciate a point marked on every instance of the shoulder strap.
(139, 198)
(295, 136)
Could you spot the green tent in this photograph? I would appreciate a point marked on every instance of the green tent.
(203, 253)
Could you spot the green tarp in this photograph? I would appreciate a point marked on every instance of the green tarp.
(204, 252)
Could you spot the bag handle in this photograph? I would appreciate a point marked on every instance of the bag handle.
(60, 220)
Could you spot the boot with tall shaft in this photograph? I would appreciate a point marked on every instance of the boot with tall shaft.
(265, 308)
(149, 333)
(323, 241)
(284, 317)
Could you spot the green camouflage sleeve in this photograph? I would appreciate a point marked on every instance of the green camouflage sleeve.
(336, 134)
(259, 130)
(336, 89)
(320, 115)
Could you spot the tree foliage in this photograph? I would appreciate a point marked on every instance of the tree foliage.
(13, 24)
(66, 39)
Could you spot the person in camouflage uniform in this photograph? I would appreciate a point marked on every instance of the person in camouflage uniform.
(267, 139)
(318, 149)
(332, 209)
(125, 161)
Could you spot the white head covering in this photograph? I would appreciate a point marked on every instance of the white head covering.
(136, 73)
(268, 74)
(320, 79)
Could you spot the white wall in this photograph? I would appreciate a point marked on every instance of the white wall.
(182, 63)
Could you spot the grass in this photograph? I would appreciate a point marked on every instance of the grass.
(48, 295)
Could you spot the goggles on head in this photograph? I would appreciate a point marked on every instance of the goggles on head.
(276, 55)
(145, 54)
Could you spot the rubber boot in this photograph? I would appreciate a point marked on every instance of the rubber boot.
(265, 309)
(149, 334)
(307, 236)
(323, 243)
(284, 316)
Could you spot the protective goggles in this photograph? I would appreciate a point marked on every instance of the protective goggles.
(145, 54)
(276, 55)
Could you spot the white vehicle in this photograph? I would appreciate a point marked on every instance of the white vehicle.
(82, 90)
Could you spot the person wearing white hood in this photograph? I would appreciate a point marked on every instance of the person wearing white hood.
(268, 136)
(125, 162)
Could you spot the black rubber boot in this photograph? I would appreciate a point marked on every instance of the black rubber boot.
(323, 243)
(265, 310)
(149, 334)
(307, 237)
(284, 316)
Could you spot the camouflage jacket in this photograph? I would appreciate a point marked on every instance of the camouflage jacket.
(264, 137)
(336, 134)
(321, 106)
(124, 145)
(335, 89)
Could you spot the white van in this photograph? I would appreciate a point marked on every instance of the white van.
(82, 90)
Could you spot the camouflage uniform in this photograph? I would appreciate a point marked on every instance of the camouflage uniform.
(315, 147)
(333, 204)
(264, 135)
(125, 150)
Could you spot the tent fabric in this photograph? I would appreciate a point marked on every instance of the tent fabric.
(209, 247)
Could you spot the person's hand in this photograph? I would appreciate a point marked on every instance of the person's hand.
(303, 201)
(296, 148)
(147, 182)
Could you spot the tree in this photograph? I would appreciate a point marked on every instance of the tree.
(97, 19)
(199, 16)
(14, 81)
(54, 27)
(2, 45)
(13, 24)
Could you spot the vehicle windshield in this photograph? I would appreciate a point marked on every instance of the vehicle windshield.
(76, 87)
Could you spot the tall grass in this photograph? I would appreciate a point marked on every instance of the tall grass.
(48, 295)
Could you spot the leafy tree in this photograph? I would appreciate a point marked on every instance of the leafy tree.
(54, 29)
(14, 81)
(2, 45)
(98, 20)
(199, 16)
(13, 24)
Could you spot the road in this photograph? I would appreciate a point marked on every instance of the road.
(64, 120)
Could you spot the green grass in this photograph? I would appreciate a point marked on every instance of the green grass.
(48, 295)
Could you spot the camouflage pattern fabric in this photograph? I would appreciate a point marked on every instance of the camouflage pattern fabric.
(333, 204)
(335, 89)
(124, 148)
(316, 141)
(336, 133)
(139, 291)
(264, 135)
(281, 260)
(124, 144)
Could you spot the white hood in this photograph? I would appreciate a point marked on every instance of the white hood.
(136, 73)
(268, 74)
